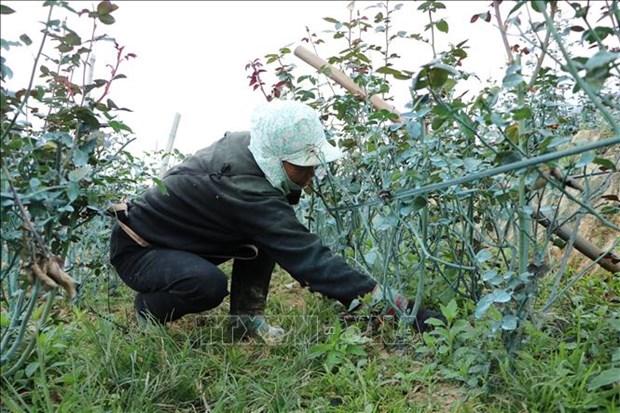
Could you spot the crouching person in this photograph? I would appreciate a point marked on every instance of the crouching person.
(233, 200)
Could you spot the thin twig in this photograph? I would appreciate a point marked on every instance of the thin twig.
(34, 71)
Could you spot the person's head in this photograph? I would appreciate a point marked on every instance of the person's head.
(288, 142)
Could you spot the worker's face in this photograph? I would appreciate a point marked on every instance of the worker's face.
(301, 175)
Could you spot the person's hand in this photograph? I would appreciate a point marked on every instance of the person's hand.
(382, 300)
(385, 302)
(388, 301)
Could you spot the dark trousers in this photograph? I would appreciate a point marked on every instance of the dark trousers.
(172, 283)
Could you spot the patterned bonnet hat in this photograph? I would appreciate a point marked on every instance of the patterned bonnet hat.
(283, 130)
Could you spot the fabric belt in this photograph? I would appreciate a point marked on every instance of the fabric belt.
(243, 252)
(122, 209)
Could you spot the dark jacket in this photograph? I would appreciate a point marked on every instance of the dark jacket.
(219, 199)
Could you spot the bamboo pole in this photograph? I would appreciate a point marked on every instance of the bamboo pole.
(342, 79)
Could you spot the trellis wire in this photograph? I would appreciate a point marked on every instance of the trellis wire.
(513, 166)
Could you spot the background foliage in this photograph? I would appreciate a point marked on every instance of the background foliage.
(520, 312)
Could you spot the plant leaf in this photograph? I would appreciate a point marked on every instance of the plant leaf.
(25, 39)
(605, 378)
(442, 26)
(6, 9)
(509, 322)
(483, 305)
(483, 256)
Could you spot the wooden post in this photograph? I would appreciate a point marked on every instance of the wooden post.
(170, 145)
(610, 261)
(91, 69)
(342, 79)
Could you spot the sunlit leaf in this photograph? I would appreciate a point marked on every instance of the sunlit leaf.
(483, 256)
(509, 322)
(80, 173)
(483, 305)
(501, 296)
(601, 58)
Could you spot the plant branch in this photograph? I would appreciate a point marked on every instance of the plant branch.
(31, 81)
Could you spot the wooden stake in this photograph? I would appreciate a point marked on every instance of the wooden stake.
(170, 144)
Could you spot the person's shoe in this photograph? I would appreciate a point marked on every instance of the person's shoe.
(143, 318)
(243, 326)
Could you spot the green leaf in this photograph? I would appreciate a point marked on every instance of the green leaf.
(489, 275)
(80, 173)
(516, 7)
(538, 5)
(471, 164)
(501, 296)
(80, 158)
(106, 7)
(600, 32)
(330, 20)
(483, 305)
(512, 80)
(604, 164)
(585, 159)
(6, 9)
(483, 256)
(107, 19)
(396, 73)
(119, 126)
(6, 71)
(509, 322)
(64, 48)
(161, 186)
(601, 58)
(371, 256)
(437, 77)
(87, 116)
(605, 378)
(382, 223)
(419, 202)
(25, 39)
(512, 133)
(59, 137)
(31, 368)
(72, 39)
(507, 157)
(522, 113)
(5, 320)
(73, 191)
(435, 322)
(450, 311)
(35, 183)
(442, 26)
(445, 67)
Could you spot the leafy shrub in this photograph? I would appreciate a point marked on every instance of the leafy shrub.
(63, 162)
(414, 202)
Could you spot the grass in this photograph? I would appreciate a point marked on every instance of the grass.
(89, 363)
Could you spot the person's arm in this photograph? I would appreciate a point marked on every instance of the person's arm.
(271, 223)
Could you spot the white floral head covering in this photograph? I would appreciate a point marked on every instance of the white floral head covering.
(284, 130)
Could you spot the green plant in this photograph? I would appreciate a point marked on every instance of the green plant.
(343, 346)
(63, 162)
(471, 188)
